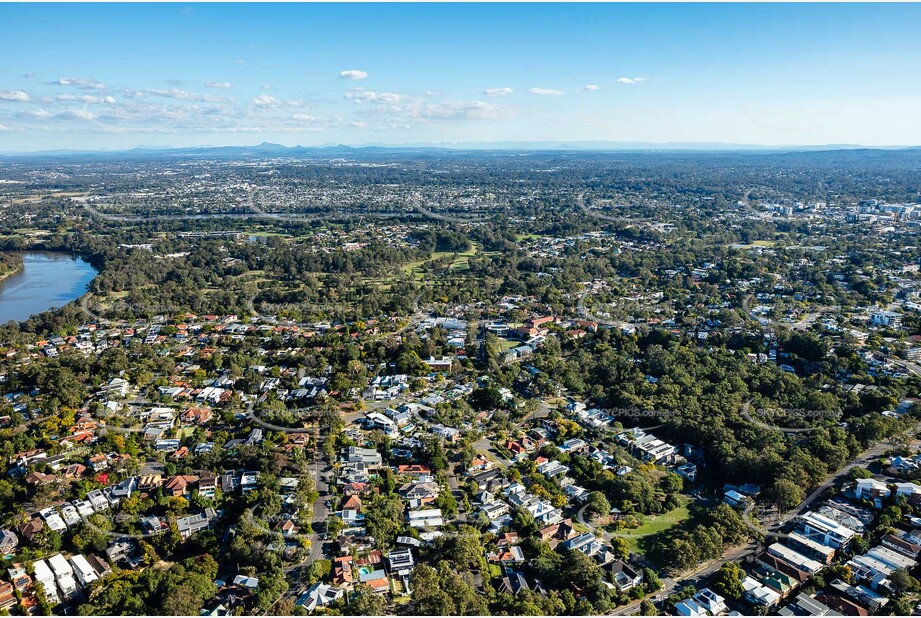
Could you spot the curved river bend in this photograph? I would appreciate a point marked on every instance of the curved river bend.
(46, 281)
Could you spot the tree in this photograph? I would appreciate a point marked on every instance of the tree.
(443, 592)
(786, 494)
(672, 483)
(903, 582)
(620, 547)
(728, 580)
(647, 608)
(597, 505)
(366, 603)
(319, 570)
(486, 398)
(334, 526)
(467, 549)
(384, 517)
(651, 581)
(181, 601)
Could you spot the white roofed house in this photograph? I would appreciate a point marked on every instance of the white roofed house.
(53, 520)
(376, 420)
(187, 526)
(824, 530)
(872, 490)
(910, 491)
(574, 445)
(875, 566)
(85, 573)
(624, 576)
(793, 557)
(64, 574)
(400, 564)
(98, 500)
(647, 447)
(576, 493)
(586, 543)
(116, 387)
(319, 595)
(448, 433)
(45, 576)
(426, 518)
(552, 468)
(367, 456)
(757, 593)
(702, 603)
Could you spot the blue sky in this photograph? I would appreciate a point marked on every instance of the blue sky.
(95, 76)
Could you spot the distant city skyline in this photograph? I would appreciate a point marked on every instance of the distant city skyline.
(114, 76)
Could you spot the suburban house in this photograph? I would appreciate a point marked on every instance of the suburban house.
(319, 595)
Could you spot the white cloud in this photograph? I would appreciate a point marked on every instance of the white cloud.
(498, 92)
(631, 80)
(402, 107)
(36, 113)
(87, 98)
(459, 110)
(545, 91)
(15, 95)
(3, 127)
(360, 95)
(590, 87)
(80, 82)
(221, 85)
(353, 74)
(77, 114)
(265, 100)
(266, 86)
(357, 125)
(185, 95)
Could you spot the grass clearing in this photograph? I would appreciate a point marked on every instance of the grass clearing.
(460, 262)
(656, 524)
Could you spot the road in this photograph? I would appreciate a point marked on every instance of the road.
(865, 458)
(914, 368)
(737, 553)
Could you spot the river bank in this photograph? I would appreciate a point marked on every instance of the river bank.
(45, 281)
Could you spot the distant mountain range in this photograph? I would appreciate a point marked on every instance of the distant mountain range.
(267, 148)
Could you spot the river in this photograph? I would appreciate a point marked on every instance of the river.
(46, 281)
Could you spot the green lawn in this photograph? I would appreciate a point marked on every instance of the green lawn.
(656, 524)
(459, 264)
